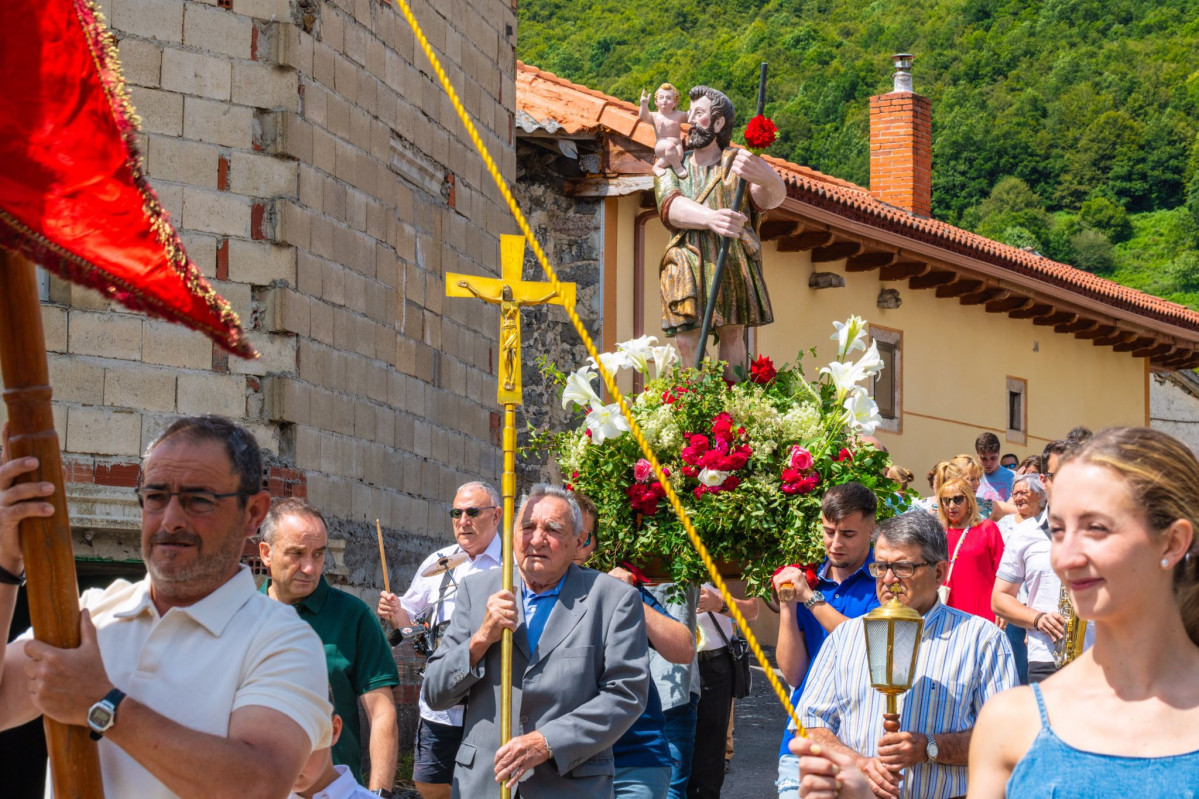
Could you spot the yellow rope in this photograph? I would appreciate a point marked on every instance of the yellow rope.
(609, 381)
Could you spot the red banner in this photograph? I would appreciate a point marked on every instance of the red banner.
(73, 191)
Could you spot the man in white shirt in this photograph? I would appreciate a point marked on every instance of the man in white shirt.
(195, 683)
(320, 779)
(476, 517)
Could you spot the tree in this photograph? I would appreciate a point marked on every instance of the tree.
(1103, 213)
(1092, 251)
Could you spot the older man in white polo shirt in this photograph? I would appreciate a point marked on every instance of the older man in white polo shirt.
(476, 517)
(194, 682)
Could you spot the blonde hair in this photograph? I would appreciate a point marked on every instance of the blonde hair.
(1162, 475)
(959, 467)
(670, 88)
(901, 475)
(958, 484)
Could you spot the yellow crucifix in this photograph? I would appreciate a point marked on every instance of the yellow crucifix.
(510, 293)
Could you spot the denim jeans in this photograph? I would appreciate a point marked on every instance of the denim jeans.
(642, 782)
(788, 781)
(680, 735)
(1016, 636)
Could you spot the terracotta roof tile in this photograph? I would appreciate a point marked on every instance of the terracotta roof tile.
(577, 109)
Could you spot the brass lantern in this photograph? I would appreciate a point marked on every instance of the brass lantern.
(892, 642)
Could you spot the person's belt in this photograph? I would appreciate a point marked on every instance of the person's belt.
(708, 654)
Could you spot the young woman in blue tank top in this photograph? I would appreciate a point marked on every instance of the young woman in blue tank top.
(1123, 719)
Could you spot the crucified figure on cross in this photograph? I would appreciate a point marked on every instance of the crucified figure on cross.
(510, 307)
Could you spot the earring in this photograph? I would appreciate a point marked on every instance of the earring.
(1165, 563)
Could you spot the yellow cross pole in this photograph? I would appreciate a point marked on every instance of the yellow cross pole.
(511, 294)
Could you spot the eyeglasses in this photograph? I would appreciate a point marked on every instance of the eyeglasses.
(194, 503)
(955, 500)
(1047, 475)
(456, 513)
(901, 568)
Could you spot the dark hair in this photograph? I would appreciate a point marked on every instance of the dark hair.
(1162, 475)
(292, 506)
(1059, 447)
(1079, 435)
(1010, 455)
(916, 527)
(587, 508)
(240, 445)
(722, 107)
(842, 500)
(1032, 460)
(986, 442)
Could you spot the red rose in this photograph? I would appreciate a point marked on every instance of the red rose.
(760, 133)
(809, 572)
(808, 484)
(762, 370)
(844, 455)
(730, 483)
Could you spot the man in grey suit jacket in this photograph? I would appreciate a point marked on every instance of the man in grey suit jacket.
(580, 668)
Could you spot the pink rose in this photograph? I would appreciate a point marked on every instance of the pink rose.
(801, 459)
(642, 470)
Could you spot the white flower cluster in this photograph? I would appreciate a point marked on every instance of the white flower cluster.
(861, 411)
(606, 421)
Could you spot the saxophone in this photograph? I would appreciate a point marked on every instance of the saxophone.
(1069, 646)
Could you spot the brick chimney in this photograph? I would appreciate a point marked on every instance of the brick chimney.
(901, 144)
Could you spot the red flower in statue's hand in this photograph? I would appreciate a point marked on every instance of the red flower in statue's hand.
(762, 370)
(760, 133)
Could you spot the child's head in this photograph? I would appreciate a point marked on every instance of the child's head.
(319, 763)
(668, 95)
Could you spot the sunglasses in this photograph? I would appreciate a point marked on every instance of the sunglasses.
(471, 513)
(955, 500)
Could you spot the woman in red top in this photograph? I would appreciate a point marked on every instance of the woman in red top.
(975, 549)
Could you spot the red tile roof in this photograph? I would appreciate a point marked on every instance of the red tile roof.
(575, 109)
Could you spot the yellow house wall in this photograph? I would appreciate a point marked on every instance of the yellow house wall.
(955, 358)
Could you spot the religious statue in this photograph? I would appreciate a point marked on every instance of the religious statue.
(509, 327)
(667, 123)
(696, 209)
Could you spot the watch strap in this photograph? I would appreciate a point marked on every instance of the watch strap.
(8, 578)
(112, 699)
(815, 599)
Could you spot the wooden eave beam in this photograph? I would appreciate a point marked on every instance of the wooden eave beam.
(1032, 311)
(985, 294)
(836, 251)
(1099, 331)
(1140, 342)
(1008, 304)
(937, 277)
(1055, 318)
(1118, 337)
(808, 240)
(866, 261)
(1077, 326)
(773, 229)
(958, 288)
(1153, 352)
(902, 270)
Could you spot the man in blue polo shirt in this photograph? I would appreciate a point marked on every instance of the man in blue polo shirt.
(845, 590)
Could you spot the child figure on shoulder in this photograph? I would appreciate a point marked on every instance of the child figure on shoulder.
(667, 122)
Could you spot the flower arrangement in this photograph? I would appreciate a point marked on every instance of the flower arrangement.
(749, 460)
(760, 133)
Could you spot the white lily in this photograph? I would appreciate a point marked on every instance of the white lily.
(871, 363)
(613, 362)
(712, 477)
(605, 421)
(638, 351)
(845, 377)
(664, 357)
(578, 389)
(850, 335)
(862, 413)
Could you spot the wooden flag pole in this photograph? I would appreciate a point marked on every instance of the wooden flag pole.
(382, 556)
(45, 542)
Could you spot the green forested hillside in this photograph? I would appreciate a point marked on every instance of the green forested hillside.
(1071, 126)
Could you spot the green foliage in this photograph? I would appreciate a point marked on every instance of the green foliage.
(1092, 251)
(1076, 99)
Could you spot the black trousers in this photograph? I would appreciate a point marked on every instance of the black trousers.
(1039, 671)
(711, 726)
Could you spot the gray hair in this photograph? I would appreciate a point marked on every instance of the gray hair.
(1034, 484)
(240, 445)
(292, 506)
(916, 527)
(547, 490)
(493, 496)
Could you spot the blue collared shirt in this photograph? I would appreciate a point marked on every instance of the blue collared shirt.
(962, 662)
(853, 597)
(537, 610)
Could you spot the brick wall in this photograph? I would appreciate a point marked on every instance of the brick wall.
(320, 179)
(901, 151)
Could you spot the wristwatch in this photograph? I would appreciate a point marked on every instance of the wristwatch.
(386, 794)
(815, 599)
(102, 715)
(931, 750)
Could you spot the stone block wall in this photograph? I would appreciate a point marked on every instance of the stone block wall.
(319, 177)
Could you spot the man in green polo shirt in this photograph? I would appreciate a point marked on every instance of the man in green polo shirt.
(293, 547)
